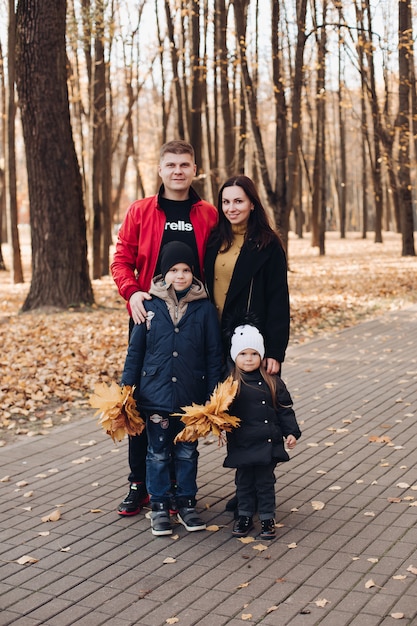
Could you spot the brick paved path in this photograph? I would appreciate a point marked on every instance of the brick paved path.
(352, 562)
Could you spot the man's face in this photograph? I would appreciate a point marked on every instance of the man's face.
(177, 172)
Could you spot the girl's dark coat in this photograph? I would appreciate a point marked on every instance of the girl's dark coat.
(259, 285)
(259, 438)
(174, 365)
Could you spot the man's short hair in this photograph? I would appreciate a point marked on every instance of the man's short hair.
(177, 147)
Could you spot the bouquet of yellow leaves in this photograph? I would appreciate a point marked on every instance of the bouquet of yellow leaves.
(212, 418)
(119, 415)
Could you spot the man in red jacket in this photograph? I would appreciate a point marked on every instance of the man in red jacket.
(176, 213)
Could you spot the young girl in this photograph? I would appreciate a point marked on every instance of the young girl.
(264, 407)
(173, 359)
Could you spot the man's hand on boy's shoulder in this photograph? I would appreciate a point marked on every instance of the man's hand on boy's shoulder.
(137, 308)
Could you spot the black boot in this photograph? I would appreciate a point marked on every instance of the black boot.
(242, 526)
(267, 529)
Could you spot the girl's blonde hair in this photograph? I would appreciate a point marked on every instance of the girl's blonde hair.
(270, 381)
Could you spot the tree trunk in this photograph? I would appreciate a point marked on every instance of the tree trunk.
(294, 169)
(343, 166)
(403, 122)
(10, 169)
(282, 213)
(228, 133)
(377, 160)
(3, 136)
(59, 244)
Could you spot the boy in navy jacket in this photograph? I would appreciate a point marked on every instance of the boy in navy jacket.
(173, 359)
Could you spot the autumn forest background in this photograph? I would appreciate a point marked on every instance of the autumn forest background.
(316, 100)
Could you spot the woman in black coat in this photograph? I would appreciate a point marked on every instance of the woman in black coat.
(246, 269)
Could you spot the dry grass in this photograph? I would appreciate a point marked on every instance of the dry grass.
(50, 362)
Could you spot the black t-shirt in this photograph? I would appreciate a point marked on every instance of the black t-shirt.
(178, 227)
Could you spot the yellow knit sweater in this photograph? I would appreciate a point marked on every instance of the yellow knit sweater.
(224, 266)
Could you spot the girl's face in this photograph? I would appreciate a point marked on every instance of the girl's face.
(248, 360)
(236, 205)
(180, 276)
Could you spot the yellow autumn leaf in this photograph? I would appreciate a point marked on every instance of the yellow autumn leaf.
(291, 546)
(172, 620)
(246, 539)
(246, 616)
(213, 528)
(211, 418)
(260, 547)
(242, 585)
(272, 609)
(117, 407)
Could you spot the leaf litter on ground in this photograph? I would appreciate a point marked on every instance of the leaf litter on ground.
(51, 359)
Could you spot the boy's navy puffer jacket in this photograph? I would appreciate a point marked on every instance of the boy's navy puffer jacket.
(174, 364)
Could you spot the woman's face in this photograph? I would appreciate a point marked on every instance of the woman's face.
(236, 205)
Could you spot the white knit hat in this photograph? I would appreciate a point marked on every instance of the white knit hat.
(244, 337)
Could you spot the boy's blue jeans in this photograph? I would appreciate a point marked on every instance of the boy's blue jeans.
(161, 431)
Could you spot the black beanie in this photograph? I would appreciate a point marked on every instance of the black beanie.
(176, 252)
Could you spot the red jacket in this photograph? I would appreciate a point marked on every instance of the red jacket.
(139, 242)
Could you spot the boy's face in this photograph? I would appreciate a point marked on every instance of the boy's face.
(180, 276)
(177, 172)
(248, 360)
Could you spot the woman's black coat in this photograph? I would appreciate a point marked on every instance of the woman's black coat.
(259, 286)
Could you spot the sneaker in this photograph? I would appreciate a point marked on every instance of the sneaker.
(135, 500)
(188, 516)
(267, 529)
(242, 526)
(160, 520)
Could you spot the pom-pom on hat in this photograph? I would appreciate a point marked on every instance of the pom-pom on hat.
(176, 252)
(244, 337)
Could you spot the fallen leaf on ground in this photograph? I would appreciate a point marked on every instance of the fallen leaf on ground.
(26, 560)
(321, 602)
(172, 620)
(246, 616)
(291, 546)
(169, 559)
(82, 460)
(52, 517)
(370, 583)
(272, 609)
(399, 577)
(369, 514)
(397, 615)
(242, 585)
(246, 539)
(213, 528)
(5, 479)
(412, 569)
(260, 547)
(317, 505)
(96, 511)
(403, 485)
